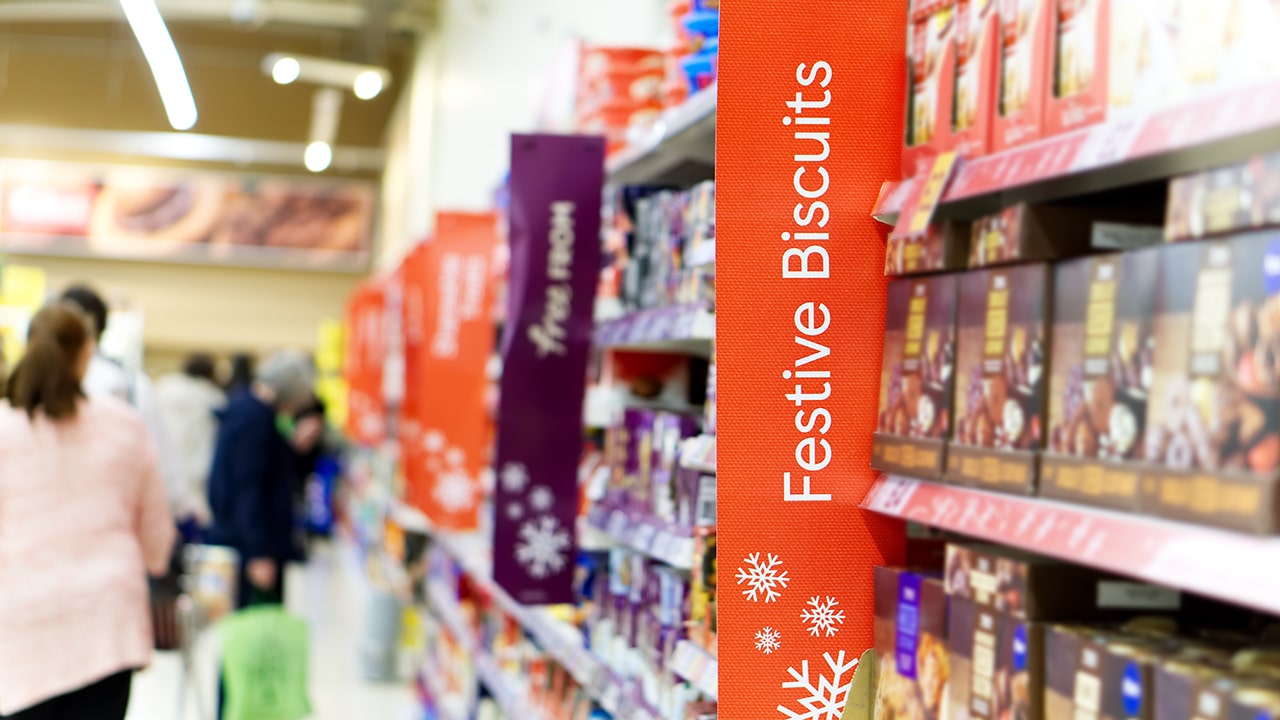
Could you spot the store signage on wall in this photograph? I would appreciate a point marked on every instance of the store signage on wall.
(184, 216)
(448, 337)
(363, 364)
(556, 184)
(807, 129)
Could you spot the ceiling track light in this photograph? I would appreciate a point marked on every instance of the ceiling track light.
(364, 81)
(162, 57)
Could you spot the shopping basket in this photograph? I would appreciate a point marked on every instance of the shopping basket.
(207, 586)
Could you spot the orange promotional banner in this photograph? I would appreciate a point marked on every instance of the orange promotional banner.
(448, 338)
(809, 124)
(365, 353)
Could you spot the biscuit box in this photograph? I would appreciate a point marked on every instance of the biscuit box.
(1189, 690)
(931, 58)
(944, 246)
(1026, 29)
(1081, 60)
(1212, 443)
(1225, 200)
(1000, 601)
(1001, 350)
(1099, 377)
(1093, 675)
(977, 39)
(916, 377)
(911, 641)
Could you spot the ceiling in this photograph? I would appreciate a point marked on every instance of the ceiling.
(75, 64)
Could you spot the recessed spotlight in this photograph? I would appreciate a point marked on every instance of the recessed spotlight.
(286, 70)
(368, 84)
(318, 156)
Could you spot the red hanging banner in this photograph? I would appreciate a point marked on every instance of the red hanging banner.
(448, 338)
(362, 367)
(809, 125)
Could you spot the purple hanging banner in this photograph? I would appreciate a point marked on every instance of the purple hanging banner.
(556, 186)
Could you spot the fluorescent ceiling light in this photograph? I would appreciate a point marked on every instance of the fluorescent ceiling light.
(285, 70)
(368, 84)
(318, 156)
(166, 67)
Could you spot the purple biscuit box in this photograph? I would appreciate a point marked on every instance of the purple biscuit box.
(686, 499)
(669, 431)
(638, 463)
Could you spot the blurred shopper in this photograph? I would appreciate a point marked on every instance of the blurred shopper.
(109, 378)
(241, 377)
(253, 475)
(189, 402)
(82, 518)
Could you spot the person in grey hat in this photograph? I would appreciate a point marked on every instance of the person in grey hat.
(251, 479)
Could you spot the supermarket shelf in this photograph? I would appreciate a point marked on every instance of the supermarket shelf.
(698, 667)
(699, 453)
(680, 149)
(561, 641)
(644, 535)
(1207, 133)
(1201, 560)
(502, 687)
(688, 328)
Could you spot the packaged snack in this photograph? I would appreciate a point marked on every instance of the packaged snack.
(1026, 28)
(702, 591)
(1081, 56)
(916, 379)
(1213, 415)
(931, 62)
(1093, 674)
(944, 246)
(1000, 377)
(1225, 200)
(977, 40)
(1101, 369)
(911, 640)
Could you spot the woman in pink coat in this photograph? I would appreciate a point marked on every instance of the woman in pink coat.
(83, 518)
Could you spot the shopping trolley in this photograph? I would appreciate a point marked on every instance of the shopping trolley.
(208, 593)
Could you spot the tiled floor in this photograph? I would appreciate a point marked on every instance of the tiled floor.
(329, 593)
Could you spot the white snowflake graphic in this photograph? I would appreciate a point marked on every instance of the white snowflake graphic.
(486, 479)
(454, 491)
(768, 640)
(826, 695)
(542, 546)
(515, 511)
(455, 457)
(433, 441)
(763, 579)
(822, 616)
(541, 498)
(515, 477)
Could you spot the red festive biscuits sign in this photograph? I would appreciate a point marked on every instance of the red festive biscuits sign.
(809, 125)
(448, 337)
(362, 365)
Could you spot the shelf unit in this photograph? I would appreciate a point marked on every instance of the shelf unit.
(558, 639)
(1204, 134)
(1210, 562)
(644, 535)
(678, 150)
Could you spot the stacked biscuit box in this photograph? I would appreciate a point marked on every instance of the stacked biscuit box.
(987, 75)
(670, 253)
(619, 89)
(916, 377)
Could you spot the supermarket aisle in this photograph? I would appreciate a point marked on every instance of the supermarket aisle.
(330, 595)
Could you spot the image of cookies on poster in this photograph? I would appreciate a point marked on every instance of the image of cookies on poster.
(146, 217)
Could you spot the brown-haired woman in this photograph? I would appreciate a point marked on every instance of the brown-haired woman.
(82, 513)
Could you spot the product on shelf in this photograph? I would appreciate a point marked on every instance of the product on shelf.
(978, 48)
(911, 640)
(1000, 377)
(669, 255)
(702, 591)
(1100, 674)
(1080, 57)
(1224, 200)
(669, 432)
(1103, 352)
(944, 246)
(709, 406)
(619, 91)
(1213, 416)
(1027, 28)
(931, 67)
(999, 602)
(1026, 232)
(916, 379)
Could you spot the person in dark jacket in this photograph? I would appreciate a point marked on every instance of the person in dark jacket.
(253, 475)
